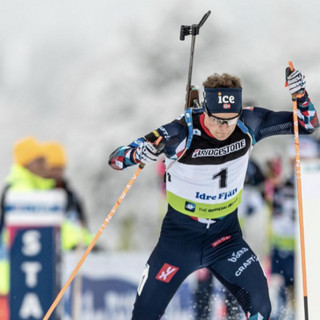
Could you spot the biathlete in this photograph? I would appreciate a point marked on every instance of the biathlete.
(207, 154)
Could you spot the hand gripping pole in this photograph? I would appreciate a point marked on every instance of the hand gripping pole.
(95, 239)
(299, 193)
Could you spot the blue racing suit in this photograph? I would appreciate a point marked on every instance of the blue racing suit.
(204, 187)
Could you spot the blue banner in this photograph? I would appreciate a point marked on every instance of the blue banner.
(33, 271)
(112, 298)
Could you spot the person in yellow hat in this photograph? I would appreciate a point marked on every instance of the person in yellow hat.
(27, 173)
(74, 229)
(29, 169)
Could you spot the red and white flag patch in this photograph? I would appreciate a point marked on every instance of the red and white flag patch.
(166, 273)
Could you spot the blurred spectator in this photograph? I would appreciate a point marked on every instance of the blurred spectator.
(282, 202)
(74, 230)
(282, 199)
(161, 173)
(252, 200)
(29, 169)
(27, 173)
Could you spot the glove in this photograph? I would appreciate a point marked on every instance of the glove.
(146, 152)
(296, 81)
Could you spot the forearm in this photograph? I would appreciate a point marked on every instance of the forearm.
(307, 115)
(172, 134)
(127, 156)
(265, 123)
(123, 156)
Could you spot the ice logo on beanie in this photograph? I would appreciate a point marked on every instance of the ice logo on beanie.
(225, 100)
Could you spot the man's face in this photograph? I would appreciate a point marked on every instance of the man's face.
(219, 128)
(38, 167)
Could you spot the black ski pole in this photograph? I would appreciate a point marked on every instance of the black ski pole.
(193, 30)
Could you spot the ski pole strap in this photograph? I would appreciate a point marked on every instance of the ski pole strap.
(188, 118)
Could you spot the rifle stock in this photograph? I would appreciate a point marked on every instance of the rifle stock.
(192, 98)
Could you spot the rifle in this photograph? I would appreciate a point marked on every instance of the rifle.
(192, 94)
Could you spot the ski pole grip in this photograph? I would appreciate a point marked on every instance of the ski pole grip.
(291, 66)
(156, 144)
(289, 70)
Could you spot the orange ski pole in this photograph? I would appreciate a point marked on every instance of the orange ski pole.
(299, 193)
(95, 239)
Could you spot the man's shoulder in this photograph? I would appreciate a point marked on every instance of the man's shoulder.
(248, 108)
(251, 112)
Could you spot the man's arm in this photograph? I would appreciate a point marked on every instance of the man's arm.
(141, 149)
(265, 123)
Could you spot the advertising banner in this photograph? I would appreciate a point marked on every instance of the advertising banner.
(33, 223)
(108, 285)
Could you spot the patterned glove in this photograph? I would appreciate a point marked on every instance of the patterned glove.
(146, 152)
(296, 82)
